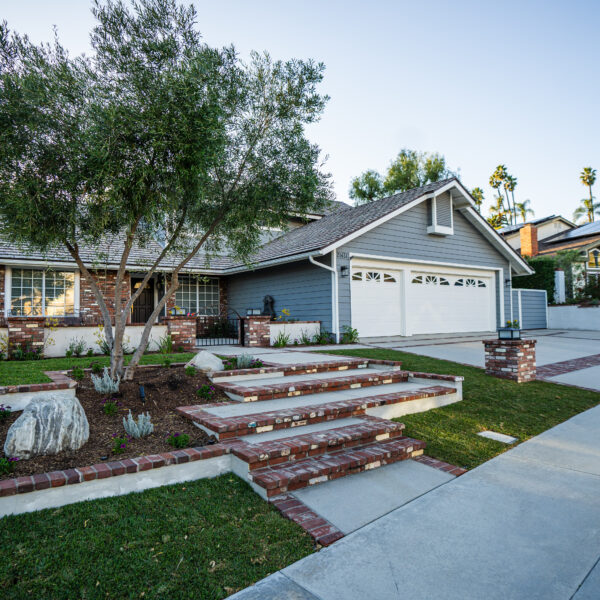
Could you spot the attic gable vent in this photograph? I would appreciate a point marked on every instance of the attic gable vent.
(440, 219)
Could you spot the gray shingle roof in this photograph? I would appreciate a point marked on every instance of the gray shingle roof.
(339, 223)
(336, 226)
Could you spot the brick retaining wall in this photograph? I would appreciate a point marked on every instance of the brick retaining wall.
(257, 331)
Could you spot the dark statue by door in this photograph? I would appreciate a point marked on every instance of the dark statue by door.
(269, 306)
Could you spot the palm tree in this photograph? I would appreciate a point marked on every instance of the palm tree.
(496, 180)
(524, 209)
(498, 214)
(497, 221)
(477, 194)
(586, 210)
(510, 183)
(588, 207)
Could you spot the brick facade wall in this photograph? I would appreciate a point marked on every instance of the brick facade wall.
(511, 359)
(89, 310)
(26, 332)
(257, 331)
(183, 331)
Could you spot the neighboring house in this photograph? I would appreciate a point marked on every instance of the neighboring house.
(423, 261)
(546, 228)
(533, 239)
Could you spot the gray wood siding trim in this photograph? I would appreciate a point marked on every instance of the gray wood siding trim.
(533, 308)
(405, 238)
(302, 288)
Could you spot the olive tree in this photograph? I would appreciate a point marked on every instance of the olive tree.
(155, 135)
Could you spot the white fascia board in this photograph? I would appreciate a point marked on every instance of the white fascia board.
(497, 240)
(433, 263)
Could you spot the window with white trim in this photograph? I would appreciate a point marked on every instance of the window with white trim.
(198, 295)
(431, 280)
(34, 292)
(470, 282)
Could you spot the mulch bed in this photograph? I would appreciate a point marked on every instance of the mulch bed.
(165, 388)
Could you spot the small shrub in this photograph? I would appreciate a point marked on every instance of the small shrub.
(89, 353)
(191, 371)
(120, 443)
(96, 368)
(77, 346)
(110, 406)
(349, 335)
(7, 465)
(25, 352)
(206, 391)
(101, 341)
(179, 440)
(244, 361)
(305, 338)
(165, 344)
(106, 385)
(322, 338)
(180, 349)
(4, 412)
(282, 340)
(78, 374)
(167, 361)
(143, 427)
(69, 353)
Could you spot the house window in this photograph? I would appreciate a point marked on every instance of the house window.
(42, 293)
(198, 295)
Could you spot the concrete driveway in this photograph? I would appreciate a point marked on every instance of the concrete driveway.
(553, 346)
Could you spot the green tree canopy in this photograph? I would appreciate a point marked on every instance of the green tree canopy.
(410, 169)
(155, 135)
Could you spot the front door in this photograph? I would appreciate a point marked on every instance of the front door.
(144, 305)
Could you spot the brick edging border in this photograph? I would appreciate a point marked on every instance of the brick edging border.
(440, 465)
(53, 479)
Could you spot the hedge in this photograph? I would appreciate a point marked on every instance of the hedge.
(542, 279)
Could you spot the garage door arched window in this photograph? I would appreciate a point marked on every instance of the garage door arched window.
(389, 278)
(357, 276)
(431, 280)
(469, 282)
(373, 276)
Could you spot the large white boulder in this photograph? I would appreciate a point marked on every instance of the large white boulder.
(49, 424)
(206, 362)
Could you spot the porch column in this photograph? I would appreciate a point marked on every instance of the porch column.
(511, 359)
(257, 331)
(182, 330)
(26, 333)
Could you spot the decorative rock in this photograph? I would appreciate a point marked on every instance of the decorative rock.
(49, 424)
(206, 362)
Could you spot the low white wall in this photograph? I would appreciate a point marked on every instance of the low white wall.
(61, 337)
(294, 330)
(574, 317)
(19, 400)
(114, 486)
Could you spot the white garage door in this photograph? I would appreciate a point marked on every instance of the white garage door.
(445, 303)
(376, 305)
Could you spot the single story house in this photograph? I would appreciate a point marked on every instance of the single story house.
(419, 262)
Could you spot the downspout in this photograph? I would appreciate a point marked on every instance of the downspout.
(334, 296)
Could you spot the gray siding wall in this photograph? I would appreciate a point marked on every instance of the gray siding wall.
(302, 288)
(533, 308)
(405, 237)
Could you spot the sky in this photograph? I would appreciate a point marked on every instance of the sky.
(483, 83)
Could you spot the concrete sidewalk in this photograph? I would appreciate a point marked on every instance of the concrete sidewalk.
(523, 525)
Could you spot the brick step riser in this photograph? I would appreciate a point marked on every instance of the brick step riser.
(266, 372)
(297, 485)
(309, 389)
(385, 409)
(320, 450)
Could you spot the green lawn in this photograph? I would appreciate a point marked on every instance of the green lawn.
(205, 539)
(16, 372)
(521, 410)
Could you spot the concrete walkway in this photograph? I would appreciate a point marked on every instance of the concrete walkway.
(553, 346)
(523, 525)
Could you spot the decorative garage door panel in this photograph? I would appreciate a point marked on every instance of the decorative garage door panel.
(444, 303)
(376, 302)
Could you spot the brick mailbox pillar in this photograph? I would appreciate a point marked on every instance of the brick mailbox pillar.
(182, 330)
(257, 331)
(510, 359)
(26, 333)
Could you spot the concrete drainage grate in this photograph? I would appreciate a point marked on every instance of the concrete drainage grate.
(498, 437)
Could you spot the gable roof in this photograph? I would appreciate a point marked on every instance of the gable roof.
(510, 229)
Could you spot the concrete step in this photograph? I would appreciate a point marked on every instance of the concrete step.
(314, 440)
(270, 370)
(270, 482)
(304, 385)
(230, 420)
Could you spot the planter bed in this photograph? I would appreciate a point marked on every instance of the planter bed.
(165, 390)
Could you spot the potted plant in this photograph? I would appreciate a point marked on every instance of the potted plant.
(177, 310)
(511, 331)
